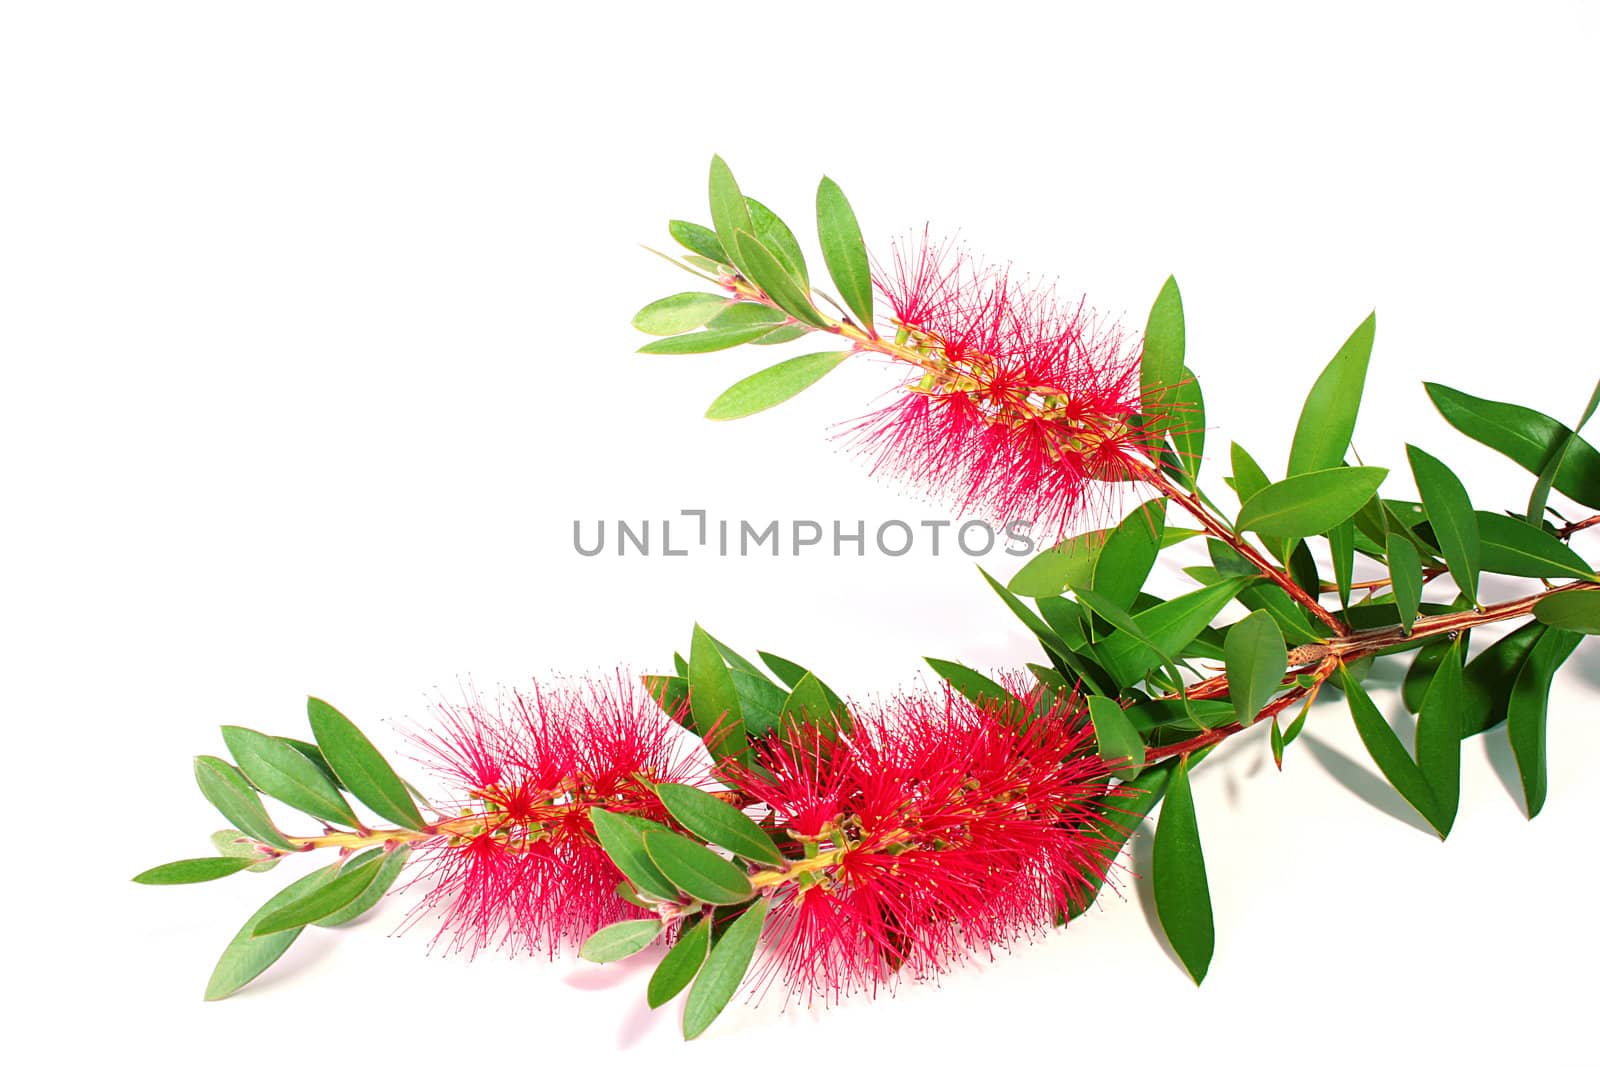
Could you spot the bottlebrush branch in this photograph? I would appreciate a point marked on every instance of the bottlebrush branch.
(772, 833)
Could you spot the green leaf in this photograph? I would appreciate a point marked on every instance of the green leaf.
(678, 313)
(696, 870)
(1248, 477)
(1524, 436)
(1118, 742)
(814, 704)
(730, 212)
(1450, 514)
(706, 340)
(1256, 661)
(719, 823)
(775, 234)
(714, 700)
(1312, 503)
(1328, 419)
(844, 251)
(1178, 869)
(1170, 627)
(1486, 683)
(978, 688)
(681, 963)
(737, 316)
(325, 901)
(1439, 740)
(234, 844)
(622, 836)
(1129, 552)
(1577, 610)
(1161, 364)
(1527, 711)
(390, 862)
(620, 940)
(724, 969)
(783, 335)
(1405, 578)
(1388, 753)
(764, 268)
(1069, 563)
(236, 799)
(314, 754)
(360, 766)
(1342, 547)
(1419, 675)
(699, 240)
(1540, 498)
(247, 955)
(1186, 422)
(772, 386)
(1121, 819)
(279, 770)
(187, 872)
(760, 701)
(1511, 546)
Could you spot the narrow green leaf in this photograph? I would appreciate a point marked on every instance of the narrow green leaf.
(844, 251)
(814, 704)
(678, 313)
(1405, 578)
(778, 239)
(622, 836)
(620, 940)
(980, 689)
(772, 386)
(325, 901)
(1540, 498)
(236, 799)
(699, 240)
(1486, 683)
(1577, 610)
(1511, 546)
(1161, 364)
(706, 340)
(764, 268)
(783, 335)
(736, 316)
(730, 212)
(1524, 436)
(1257, 660)
(1312, 503)
(719, 823)
(232, 843)
(1069, 562)
(696, 870)
(1527, 712)
(1450, 514)
(1328, 419)
(1170, 627)
(1248, 477)
(714, 700)
(760, 702)
(1342, 547)
(724, 970)
(187, 872)
(1117, 740)
(1121, 820)
(247, 955)
(1186, 423)
(280, 770)
(1129, 552)
(681, 963)
(314, 754)
(390, 863)
(1178, 869)
(1387, 751)
(1439, 740)
(360, 766)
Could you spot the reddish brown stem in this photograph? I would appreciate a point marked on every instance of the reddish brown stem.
(1573, 527)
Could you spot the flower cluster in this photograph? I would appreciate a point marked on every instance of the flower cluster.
(519, 867)
(937, 828)
(1019, 404)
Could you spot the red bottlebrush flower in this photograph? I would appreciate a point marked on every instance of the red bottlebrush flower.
(519, 867)
(934, 830)
(1019, 403)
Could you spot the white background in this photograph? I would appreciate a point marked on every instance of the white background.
(315, 338)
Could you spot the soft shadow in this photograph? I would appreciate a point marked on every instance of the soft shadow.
(1140, 863)
(1364, 784)
(597, 976)
(1504, 762)
(638, 1022)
